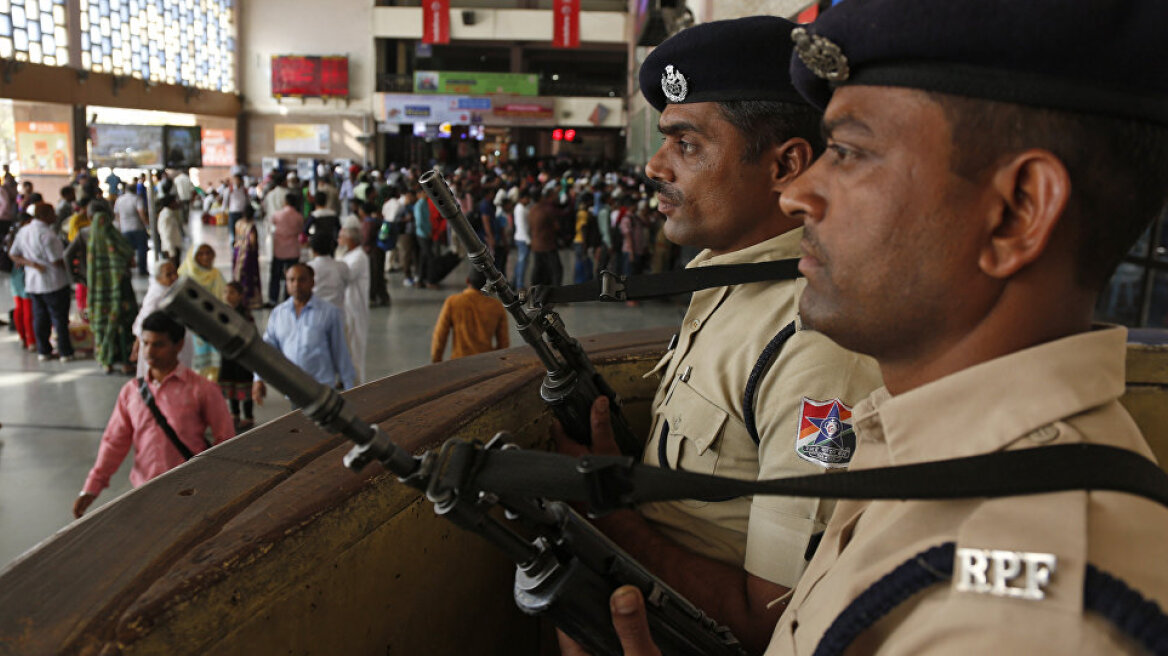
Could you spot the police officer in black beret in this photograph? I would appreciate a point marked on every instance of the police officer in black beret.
(989, 162)
(745, 391)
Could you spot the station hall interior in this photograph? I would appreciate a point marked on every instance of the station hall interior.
(125, 88)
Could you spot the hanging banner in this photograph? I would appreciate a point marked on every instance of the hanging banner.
(566, 27)
(43, 147)
(435, 21)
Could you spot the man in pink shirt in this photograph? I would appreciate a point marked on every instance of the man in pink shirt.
(287, 225)
(188, 402)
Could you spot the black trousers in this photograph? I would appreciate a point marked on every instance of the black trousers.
(276, 287)
(377, 291)
(51, 310)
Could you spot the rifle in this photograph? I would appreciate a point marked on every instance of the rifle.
(571, 383)
(566, 572)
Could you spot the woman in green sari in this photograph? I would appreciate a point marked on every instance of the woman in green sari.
(112, 304)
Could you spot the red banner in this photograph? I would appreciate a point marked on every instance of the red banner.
(435, 21)
(566, 27)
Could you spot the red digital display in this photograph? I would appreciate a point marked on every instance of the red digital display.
(299, 77)
(334, 77)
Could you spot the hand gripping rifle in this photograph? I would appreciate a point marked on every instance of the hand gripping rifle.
(572, 383)
(566, 572)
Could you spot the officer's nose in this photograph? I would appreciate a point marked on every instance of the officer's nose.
(656, 168)
(803, 199)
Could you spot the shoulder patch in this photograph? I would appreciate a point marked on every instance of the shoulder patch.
(826, 436)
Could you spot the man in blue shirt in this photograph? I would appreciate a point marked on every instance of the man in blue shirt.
(424, 233)
(310, 332)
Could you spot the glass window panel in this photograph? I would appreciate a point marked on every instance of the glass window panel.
(34, 31)
(47, 23)
(31, 7)
(50, 44)
(20, 40)
(1121, 299)
(5, 6)
(18, 17)
(5, 25)
(1158, 307)
(86, 62)
(6, 47)
(62, 56)
(34, 52)
(1161, 248)
(84, 41)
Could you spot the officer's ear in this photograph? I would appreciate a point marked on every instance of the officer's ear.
(1031, 191)
(789, 160)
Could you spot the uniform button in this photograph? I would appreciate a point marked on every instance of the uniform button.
(1044, 434)
(696, 323)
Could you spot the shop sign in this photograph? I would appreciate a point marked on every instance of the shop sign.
(302, 138)
(405, 108)
(218, 147)
(43, 147)
(526, 110)
(475, 83)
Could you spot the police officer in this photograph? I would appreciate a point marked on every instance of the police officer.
(746, 391)
(1002, 169)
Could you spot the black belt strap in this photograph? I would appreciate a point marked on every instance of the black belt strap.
(609, 286)
(160, 419)
(609, 482)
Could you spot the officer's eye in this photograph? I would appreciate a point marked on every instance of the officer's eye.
(840, 153)
(686, 147)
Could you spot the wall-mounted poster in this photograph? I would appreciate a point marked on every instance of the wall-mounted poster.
(302, 138)
(126, 146)
(184, 145)
(43, 147)
(218, 147)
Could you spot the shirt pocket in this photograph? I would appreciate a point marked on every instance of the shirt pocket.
(695, 426)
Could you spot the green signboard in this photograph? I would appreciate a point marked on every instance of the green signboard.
(473, 83)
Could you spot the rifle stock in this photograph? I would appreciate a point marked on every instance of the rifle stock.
(566, 572)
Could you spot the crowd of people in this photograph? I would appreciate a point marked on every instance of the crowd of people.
(331, 245)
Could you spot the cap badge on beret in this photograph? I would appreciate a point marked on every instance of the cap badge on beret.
(820, 55)
(673, 84)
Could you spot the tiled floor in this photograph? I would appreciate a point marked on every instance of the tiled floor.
(53, 413)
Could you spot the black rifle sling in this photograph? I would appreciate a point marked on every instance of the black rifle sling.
(611, 287)
(609, 482)
(144, 390)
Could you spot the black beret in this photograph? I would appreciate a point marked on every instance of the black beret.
(1106, 57)
(740, 59)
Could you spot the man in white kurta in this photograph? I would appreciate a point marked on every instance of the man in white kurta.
(356, 308)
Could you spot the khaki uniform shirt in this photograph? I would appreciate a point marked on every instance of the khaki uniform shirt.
(703, 380)
(1061, 392)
